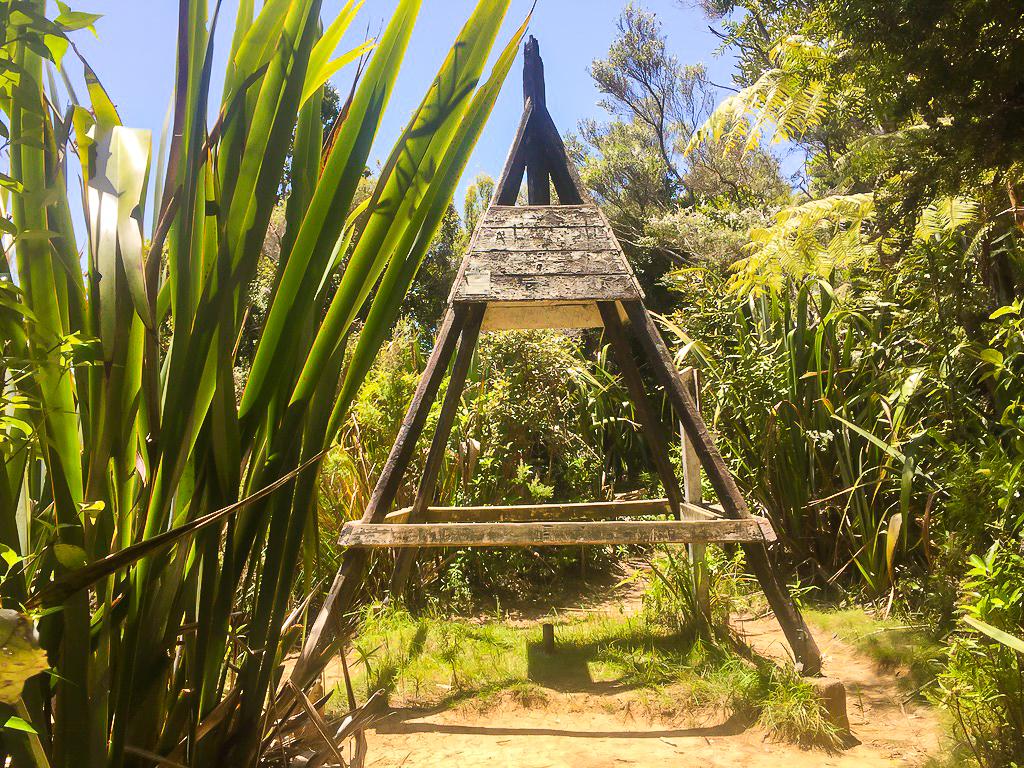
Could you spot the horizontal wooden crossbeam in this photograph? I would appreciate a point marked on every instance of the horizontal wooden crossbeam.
(753, 529)
(525, 513)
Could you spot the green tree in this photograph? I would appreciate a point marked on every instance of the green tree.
(428, 295)
(478, 197)
(669, 209)
(883, 106)
(646, 84)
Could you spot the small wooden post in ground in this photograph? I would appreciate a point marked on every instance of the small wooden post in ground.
(549, 638)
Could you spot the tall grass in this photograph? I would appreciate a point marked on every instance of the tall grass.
(155, 513)
(822, 417)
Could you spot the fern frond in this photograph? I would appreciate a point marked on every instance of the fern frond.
(784, 103)
(813, 239)
(944, 216)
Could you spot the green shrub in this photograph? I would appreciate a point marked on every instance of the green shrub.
(541, 419)
(670, 597)
(983, 682)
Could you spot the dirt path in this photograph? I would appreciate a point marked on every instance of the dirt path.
(584, 730)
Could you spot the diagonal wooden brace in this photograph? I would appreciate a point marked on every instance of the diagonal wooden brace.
(805, 650)
(439, 443)
(649, 422)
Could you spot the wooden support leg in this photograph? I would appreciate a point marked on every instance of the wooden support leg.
(538, 189)
(804, 648)
(649, 422)
(694, 494)
(426, 391)
(322, 638)
(439, 444)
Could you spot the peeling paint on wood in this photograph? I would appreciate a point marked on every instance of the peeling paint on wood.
(545, 253)
(549, 534)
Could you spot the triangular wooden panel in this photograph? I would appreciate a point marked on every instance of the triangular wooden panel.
(541, 265)
(544, 266)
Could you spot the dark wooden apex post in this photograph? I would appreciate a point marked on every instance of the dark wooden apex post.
(538, 190)
(533, 74)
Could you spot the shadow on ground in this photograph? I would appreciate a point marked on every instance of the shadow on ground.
(397, 722)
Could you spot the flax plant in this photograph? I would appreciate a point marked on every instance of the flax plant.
(822, 422)
(152, 516)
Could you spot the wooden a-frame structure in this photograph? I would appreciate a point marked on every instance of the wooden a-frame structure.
(560, 266)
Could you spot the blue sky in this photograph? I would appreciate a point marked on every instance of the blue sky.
(134, 58)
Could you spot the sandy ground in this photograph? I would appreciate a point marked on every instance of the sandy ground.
(611, 730)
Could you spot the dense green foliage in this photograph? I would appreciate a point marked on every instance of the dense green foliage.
(862, 350)
(158, 482)
(184, 427)
(542, 418)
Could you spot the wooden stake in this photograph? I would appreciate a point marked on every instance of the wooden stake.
(804, 648)
(548, 644)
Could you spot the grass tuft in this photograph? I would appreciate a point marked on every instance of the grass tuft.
(792, 711)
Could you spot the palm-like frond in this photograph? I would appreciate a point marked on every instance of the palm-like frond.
(784, 103)
(155, 511)
(813, 239)
(944, 216)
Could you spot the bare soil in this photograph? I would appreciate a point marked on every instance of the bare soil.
(603, 727)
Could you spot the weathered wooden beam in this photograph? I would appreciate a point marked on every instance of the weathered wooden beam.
(487, 286)
(525, 513)
(567, 182)
(439, 443)
(804, 648)
(696, 510)
(562, 216)
(590, 510)
(559, 533)
(649, 422)
(521, 314)
(348, 581)
(533, 73)
(507, 189)
(538, 192)
(390, 479)
(693, 492)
